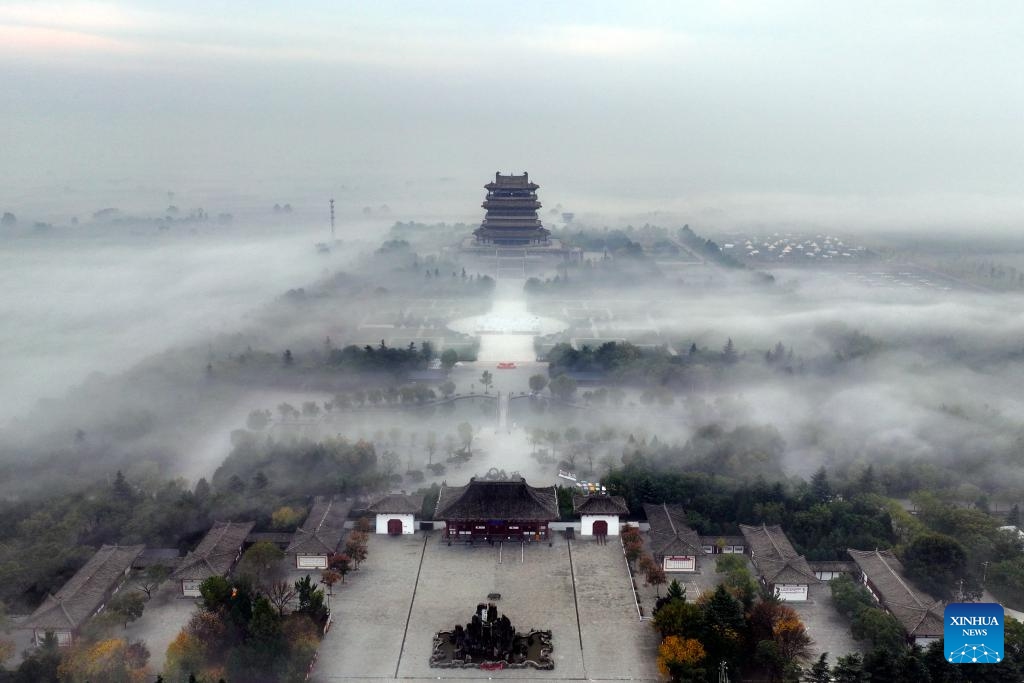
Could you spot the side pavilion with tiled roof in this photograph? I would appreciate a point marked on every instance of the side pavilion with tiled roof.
(882, 574)
(780, 567)
(599, 513)
(396, 513)
(85, 594)
(672, 542)
(215, 555)
(507, 510)
(321, 534)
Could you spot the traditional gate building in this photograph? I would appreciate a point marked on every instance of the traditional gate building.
(508, 510)
(396, 513)
(599, 513)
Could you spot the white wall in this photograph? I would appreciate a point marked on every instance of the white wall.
(587, 524)
(408, 525)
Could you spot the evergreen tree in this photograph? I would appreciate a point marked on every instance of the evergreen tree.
(1013, 516)
(821, 490)
(849, 669)
(819, 671)
(729, 352)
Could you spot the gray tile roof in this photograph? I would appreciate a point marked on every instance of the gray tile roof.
(774, 556)
(669, 534)
(513, 499)
(598, 504)
(919, 614)
(323, 529)
(86, 591)
(832, 566)
(396, 504)
(216, 553)
(168, 557)
(726, 540)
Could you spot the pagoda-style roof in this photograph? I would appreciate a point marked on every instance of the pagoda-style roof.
(669, 533)
(86, 591)
(323, 529)
(216, 553)
(511, 182)
(599, 504)
(512, 499)
(774, 556)
(920, 615)
(511, 218)
(396, 504)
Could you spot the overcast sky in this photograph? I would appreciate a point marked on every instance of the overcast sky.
(894, 114)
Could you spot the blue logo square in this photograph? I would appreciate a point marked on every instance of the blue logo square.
(973, 633)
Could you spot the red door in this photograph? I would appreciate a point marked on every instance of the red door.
(394, 527)
(600, 528)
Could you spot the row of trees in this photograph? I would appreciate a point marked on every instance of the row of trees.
(94, 656)
(820, 524)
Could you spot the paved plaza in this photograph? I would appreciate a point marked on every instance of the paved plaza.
(829, 629)
(165, 615)
(386, 618)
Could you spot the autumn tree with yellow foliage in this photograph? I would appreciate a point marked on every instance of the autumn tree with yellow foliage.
(114, 660)
(680, 658)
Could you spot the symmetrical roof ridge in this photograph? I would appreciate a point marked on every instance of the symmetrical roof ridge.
(903, 583)
(668, 515)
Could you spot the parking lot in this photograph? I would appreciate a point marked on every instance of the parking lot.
(386, 617)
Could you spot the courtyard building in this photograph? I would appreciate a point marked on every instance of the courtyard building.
(396, 513)
(505, 510)
(215, 555)
(674, 545)
(780, 568)
(723, 545)
(883, 575)
(320, 535)
(84, 595)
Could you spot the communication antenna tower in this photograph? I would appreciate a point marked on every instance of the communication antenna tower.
(332, 219)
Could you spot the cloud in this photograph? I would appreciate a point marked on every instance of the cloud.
(603, 41)
(79, 16)
(22, 41)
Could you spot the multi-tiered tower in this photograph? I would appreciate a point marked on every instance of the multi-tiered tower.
(511, 219)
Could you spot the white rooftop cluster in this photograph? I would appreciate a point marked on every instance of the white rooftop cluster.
(788, 245)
